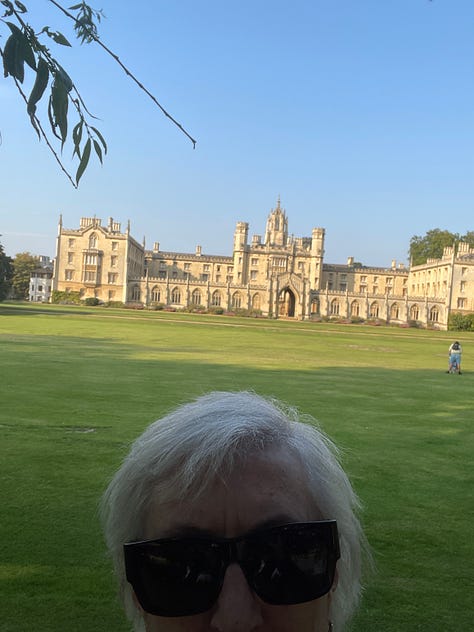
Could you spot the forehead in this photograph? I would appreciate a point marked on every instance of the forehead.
(265, 488)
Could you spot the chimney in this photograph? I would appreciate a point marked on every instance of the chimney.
(350, 261)
(156, 246)
(198, 251)
(394, 264)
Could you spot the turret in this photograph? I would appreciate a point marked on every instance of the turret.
(317, 254)
(317, 242)
(241, 235)
(241, 252)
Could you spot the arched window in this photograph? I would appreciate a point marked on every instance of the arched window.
(155, 294)
(355, 308)
(93, 241)
(434, 314)
(256, 301)
(176, 295)
(414, 312)
(395, 311)
(335, 307)
(196, 297)
(374, 310)
(236, 300)
(136, 293)
(216, 298)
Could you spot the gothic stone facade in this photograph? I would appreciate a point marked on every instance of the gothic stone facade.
(280, 275)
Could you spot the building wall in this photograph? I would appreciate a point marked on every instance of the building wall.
(280, 275)
(41, 281)
(97, 261)
(447, 283)
(462, 298)
(40, 285)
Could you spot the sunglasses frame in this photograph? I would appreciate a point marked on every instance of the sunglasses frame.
(229, 553)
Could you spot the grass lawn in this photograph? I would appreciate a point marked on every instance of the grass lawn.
(79, 384)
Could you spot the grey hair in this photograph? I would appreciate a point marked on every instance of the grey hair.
(179, 455)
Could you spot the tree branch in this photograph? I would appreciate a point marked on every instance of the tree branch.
(42, 132)
(127, 71)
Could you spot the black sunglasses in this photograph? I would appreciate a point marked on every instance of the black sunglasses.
(288, 564)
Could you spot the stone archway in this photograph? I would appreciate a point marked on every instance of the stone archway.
(286, 303)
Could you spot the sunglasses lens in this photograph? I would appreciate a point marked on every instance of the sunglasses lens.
(177, 578)
(284, 565)
(289, 565)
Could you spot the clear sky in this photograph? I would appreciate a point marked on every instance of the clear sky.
(359, 114)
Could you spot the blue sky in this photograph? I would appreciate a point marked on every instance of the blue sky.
(358, 113)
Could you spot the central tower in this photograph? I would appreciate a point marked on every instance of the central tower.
(276, 233)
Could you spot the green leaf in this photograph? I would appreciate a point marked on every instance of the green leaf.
(41, 82)
(84, 160)
(9, 10)
(21, 7)
(60, 39)
(77, 133)
(20, 64)
(56, 36)
(98, 150)
(75, 7)
(101, 138)
(14, 29)
(58, 106)
(76, 138)
(24, 49)
(27, 52)
(14, 54)
(10, 56)
(51, 118)
(64, 77)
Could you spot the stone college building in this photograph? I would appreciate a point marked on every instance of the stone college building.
(278, 275)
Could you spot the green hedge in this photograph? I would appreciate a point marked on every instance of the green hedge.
(66, 298)
(461, 322)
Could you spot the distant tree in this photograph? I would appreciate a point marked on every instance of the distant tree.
(25, 44)
(23, 265)
(6, 273)
(469, 238)
(431, 245)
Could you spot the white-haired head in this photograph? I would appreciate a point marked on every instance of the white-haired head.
(178, 456)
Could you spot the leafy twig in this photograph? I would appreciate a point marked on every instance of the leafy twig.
(23, 46)
(43, 134)
(98, 41)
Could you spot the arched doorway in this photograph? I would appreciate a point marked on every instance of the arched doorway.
(286, 303)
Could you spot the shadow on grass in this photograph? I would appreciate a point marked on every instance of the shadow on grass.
(70, 410)
(71, 405)
(26, 309)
